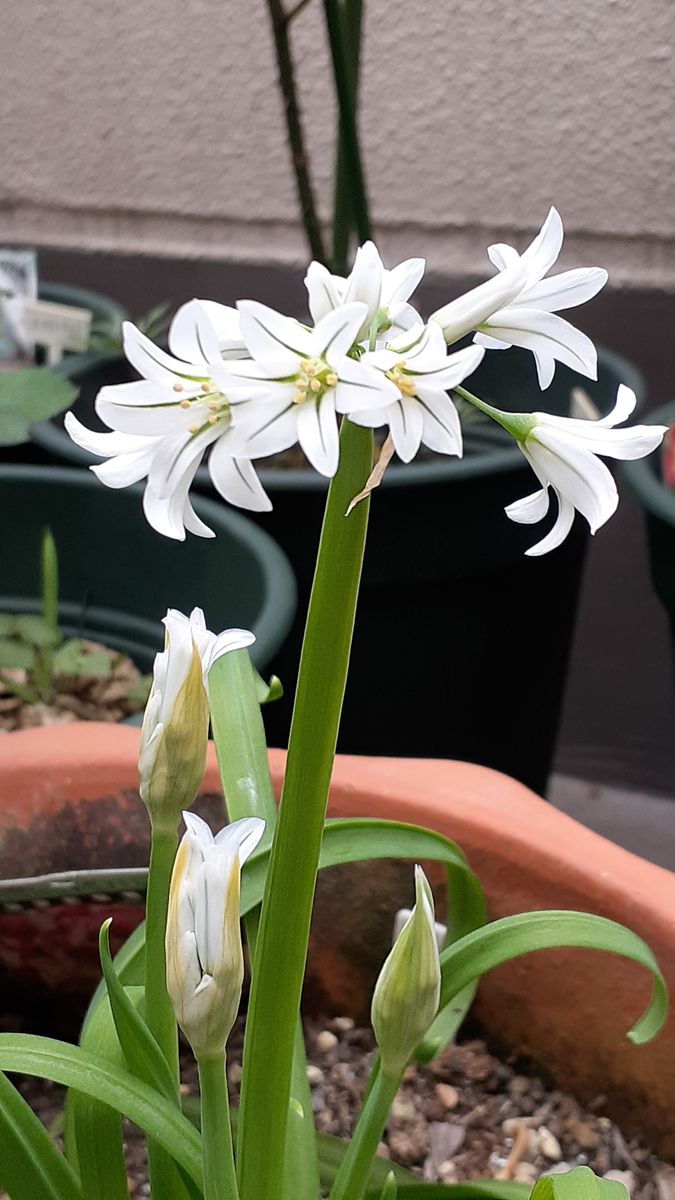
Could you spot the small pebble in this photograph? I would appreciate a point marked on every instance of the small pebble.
(447, 1094)
(549, 1144)
(525, 1172)
(627, 1178)
(665, 1183)
(314, 1075)
(326, 1041)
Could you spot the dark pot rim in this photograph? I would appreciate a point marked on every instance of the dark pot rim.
(441, 469)
(644, 474)
(279, 591)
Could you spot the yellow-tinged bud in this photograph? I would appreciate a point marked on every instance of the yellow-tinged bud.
(407, 992)
(204, 956)
(175, 724)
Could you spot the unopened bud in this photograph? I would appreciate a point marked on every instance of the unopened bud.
(204, 955)
(407, 992)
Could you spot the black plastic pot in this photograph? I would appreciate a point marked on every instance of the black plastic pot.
(461, 643)
(658, 501)
(117, 577)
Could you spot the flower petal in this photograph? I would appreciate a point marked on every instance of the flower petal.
(145, 409)
(227, 327)
(155, 364)
(336, 333)
(192, 337)
(453, 370)
(441, 427)
(318, 434)
(324, 291)
(400, 283)
(405, 425)
(269, 335)
(545, 247)
(365, 284)
(529, 509)
(575, 472)
(558, 533)
(361, 386)
(236, 480)
(105, 445)
(267, 428)
(502, 255)
(467, 312)
(546, 333)
(565, 290)
(124, 469)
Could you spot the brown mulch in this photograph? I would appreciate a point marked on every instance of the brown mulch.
(77, 698)
(468, 1116)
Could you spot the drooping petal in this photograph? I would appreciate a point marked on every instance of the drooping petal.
(105, 445)
(125, 469)
(530, 509)
(405, 425)
(193, 523)
(236, 480)
(624, 405)
(371, 418)
(269, 335)
(502, 255)
(318, 434)
(565, 290)
(243, 835)
(546, 333)
(575, 472)
(223, 643)
(441, 426)
(559, 532)
(449, 373)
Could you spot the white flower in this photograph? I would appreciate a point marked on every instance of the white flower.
(407, 992)
(175, 723)
(418, 363)
(517, 306)
(383, 292)
(163, 424)
(307, 377)
(562, 452)
(204, 958)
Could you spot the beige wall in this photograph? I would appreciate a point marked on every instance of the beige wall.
(157, 126)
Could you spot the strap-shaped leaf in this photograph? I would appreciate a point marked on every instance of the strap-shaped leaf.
(93, 1130)
(30, 1164)
(143, 1055)
(481, 1190)
(75, 1068)
(579, 1184)
(510, 937)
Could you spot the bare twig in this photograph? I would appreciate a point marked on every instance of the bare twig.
(280, 20)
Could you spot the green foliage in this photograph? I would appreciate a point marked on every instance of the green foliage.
(107, 338)
(29, 395)
(579, 1184)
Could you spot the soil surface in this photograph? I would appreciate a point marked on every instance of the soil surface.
(468, 1116)
(111, 697)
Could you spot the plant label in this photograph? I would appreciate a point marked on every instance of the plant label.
(58, 327)
(18, 284)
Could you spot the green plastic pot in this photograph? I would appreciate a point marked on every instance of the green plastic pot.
(658, 501)
(117, 577)
(461, 643)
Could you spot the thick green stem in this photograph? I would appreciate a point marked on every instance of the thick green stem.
(352, 1177)
(159, 1014)
(289, 889)
(220, 1180)
(352, 11)
(239, 736)
(345, 86)
(517, 424)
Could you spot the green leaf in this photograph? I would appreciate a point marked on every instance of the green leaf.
(268, 692)
(16, 655)
(389, 1191)
(142, 1054)
(130, 969)
(69, 657)
(579, 1184)
(139, 690)
(7, 624)
(29, 395)
(74, 1067)
(508, 938)
(30, 1164)
(36, 630)
(93, 1130)
(98, 663)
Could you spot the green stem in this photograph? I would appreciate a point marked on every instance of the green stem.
(49, 590)
(159, 1014)
(239, 736)
(296, 138)
(289, 888)
(352, 1177)
(352, 11)
(517, 424)
(220, 1180)
(345, 87)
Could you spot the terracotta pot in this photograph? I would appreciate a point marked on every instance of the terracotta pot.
(69, 800)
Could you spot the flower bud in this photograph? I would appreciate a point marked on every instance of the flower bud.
(204, 956)
(176, 720)
(407, 992)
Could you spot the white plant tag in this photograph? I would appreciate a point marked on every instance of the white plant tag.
(58, 327)
(18, 284)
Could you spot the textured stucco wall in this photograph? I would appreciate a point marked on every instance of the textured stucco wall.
(158, 127)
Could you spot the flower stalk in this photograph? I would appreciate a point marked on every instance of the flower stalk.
(284, 930)
(220, 1180)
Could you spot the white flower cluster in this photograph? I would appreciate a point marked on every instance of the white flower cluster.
(247, 382)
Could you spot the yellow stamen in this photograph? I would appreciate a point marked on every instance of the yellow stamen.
(315, 385)
(193, 428)
(185, 404)
(214, 405)
(178, 387)
(307, 366)
(206, 387)
(213, 420)
(331, 379)
(299, 397)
